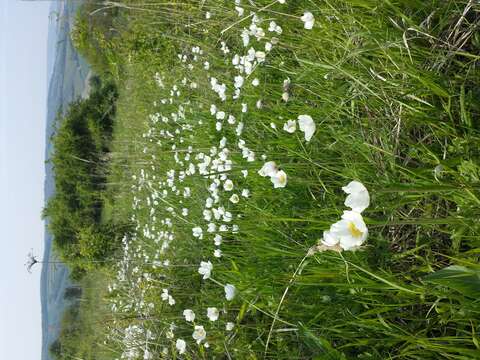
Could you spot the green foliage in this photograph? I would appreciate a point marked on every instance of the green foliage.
(95, 26)
(81, 145)
(460, 278)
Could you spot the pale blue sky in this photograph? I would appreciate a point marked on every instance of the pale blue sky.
(23, 95)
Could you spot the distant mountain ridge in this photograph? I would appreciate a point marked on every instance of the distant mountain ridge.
(67, 73)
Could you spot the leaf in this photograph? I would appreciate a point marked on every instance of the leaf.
(322, 349)
(459, 278)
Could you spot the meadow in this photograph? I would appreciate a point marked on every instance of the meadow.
(238, 126)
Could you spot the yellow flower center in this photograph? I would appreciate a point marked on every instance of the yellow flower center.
(354, 230)
(282, 178)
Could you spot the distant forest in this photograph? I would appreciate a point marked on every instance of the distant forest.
(81, 151)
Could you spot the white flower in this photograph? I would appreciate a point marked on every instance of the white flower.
(197, 232)
(171, 300)
(212, 313)
(229, 326)
(217, 240)
(239, 80)
(213, 109)
(199, 334)
(231, 119)
(181, 346)
(285, 96)
(205, 269)
(189, 315)
(234, 199)
(349, 233)
(358, 198)
(230, 291)
(217, 253)
(308, 20)
(290, 126)
(245, 37)
(279, 179)
(228, 185)
(307, 125)
(245, 193)
(147, 355)
(268, 169)
(255, 82)
(239, 10)
(260, 55)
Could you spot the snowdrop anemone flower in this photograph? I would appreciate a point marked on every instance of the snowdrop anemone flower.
(349, 233)
(234, 199)
(358, 198)
(268, 169)
(229, 326)
(212, 313)
(199, 334)
(189, 315)
(290, 126)
(181, 346)
(307, 125)
(228, 185)
(205, 269)
(197, 232)
(308, 20)
(279, 179)
(230, 292)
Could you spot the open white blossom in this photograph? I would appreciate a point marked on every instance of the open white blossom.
(228, 185)
(230, 291)
(205, 269)
(212, 313)
(199, 334)
(189, 315)
(234, 199)
(308, 20)
(358, 198)
(279, 179)
(229, 326)
(181, 346)
(349, 233)
(290, 126)
(268, 169)
(197, 232)
(307, 125)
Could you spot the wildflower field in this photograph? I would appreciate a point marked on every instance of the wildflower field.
(300, 179)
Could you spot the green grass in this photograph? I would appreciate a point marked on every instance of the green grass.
(393, 87)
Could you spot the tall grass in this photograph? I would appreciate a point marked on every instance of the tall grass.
(393, 88)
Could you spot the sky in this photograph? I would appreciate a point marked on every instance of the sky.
(23, 99)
